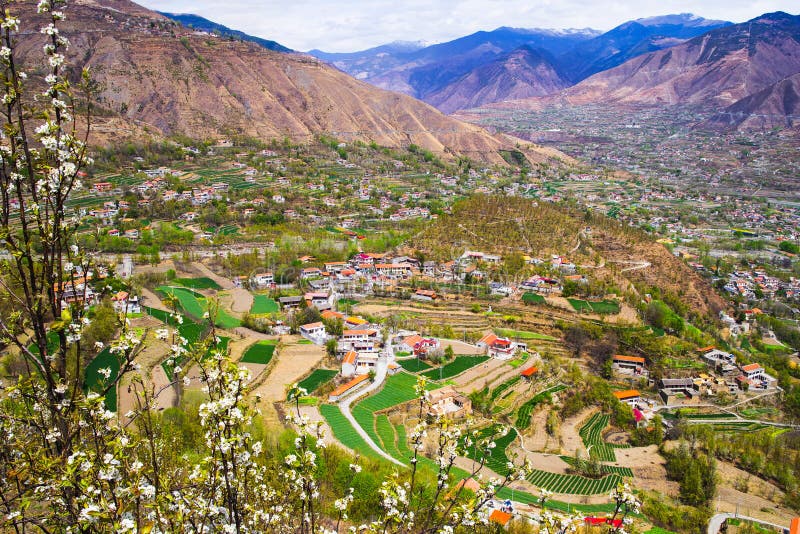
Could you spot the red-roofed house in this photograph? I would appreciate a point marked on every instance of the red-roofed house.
(498, 347)
(529, 372)
(628, 364)
(500, 517)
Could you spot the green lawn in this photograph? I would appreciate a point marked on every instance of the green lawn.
(260, 352)
(94, 380)
(197, 283)
(262, 305)
(317, 377)
(457, 366)
(413, 365)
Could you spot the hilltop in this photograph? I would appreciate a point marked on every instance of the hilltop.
(612, 251)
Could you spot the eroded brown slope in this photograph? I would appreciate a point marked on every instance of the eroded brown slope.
(155, 73)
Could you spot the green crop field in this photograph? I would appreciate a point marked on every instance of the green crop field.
(197, 283)
(601, 307)
(605, 307)
(607, 469)
(524, 411)
(396, 390)
(505, 385)
(497, 461)
(262, 305)
(523, 335)
(413, 365)
(457, 366)
(94, 380)
(196, 305)
(317, 377)
(573, 484)
(580, 306)
(344, 431)
(388, 437)
(533, 298)
(592, 435)
(260, 352)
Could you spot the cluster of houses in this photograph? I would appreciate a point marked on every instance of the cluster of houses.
(758, 284)
(724, 376)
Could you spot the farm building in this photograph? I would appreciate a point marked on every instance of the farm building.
(678, 391)
(631, 396)
(501, 348)
(634, 365)
(314, 332)
(447, 401)
(529, 373)
(348, 387)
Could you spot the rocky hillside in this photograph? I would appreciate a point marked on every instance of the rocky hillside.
(777, 106)
(522, 73)
(163, 78)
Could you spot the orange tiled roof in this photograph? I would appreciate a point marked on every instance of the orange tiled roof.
(349, 385)
(627, 394)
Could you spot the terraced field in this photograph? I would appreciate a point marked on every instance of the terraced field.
(532, 298)
(573, 484)
(601, 307)
(592, 435)
(608, 469)
(262, 305)
(197, 283)
(413, 365)
(457, 366)
(316, 379)
(498, 461)
(196, 305)
(504, 386)
(524, 412)
(344, 431)
(260, 352)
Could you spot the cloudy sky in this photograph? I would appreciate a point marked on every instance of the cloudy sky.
(350, 25)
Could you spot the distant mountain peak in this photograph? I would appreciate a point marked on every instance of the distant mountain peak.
(689, 20)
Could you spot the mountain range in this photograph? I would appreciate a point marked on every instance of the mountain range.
(746, 72)
(155, 77)
(494, 63)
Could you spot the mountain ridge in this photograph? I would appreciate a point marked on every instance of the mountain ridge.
(155, 78)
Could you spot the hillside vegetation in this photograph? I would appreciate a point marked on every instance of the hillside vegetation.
(601, 247)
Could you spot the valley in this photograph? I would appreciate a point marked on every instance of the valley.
(271, 291)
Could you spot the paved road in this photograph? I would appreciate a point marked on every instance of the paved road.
(344, 405)
(716, 522)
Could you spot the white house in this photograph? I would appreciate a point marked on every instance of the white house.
(262, 279)
(501, 348)
(314, 332)
(349, 363)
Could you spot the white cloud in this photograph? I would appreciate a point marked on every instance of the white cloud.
(348, 25)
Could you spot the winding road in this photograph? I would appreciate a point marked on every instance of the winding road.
(344, 405)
